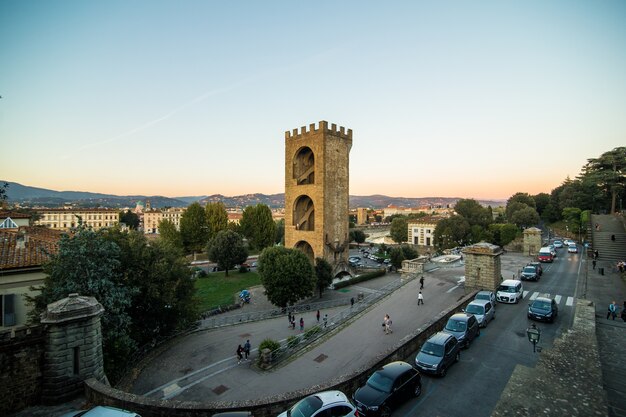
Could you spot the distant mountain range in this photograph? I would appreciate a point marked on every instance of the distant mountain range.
(41, 197)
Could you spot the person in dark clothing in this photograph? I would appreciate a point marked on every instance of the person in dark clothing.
(422, 283)
(239, 354)
(246, 348)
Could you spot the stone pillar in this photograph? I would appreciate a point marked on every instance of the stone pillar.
(532, 241)
(483, 268)
(73, 351)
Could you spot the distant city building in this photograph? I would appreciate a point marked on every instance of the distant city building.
(429, 209)
(152, 218)
(23, 251)
(422, 231)
(68, 218)
(13, 220)
(361, 216)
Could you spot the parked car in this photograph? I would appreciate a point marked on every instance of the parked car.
(483, 311)
(486, 295)
(101, 411)
(464, 327)
(438, 353)
(510, 291)
(386, 388)
(529, 273)
(323, 404)
(538, 266)
(543, 309)
(572, 248)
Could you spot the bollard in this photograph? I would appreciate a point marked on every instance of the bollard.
(601, 270)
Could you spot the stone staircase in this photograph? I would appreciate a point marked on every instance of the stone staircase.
(609, 239)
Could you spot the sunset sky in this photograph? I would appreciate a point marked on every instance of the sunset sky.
(473, 99)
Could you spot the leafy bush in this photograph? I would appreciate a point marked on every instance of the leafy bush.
(292, 341)
(312, 332)
(269, 344)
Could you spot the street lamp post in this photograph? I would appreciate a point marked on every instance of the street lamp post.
(534, 334)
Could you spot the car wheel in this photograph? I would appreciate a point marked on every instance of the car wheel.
(385, 411)
(485, 322)
(418, 389)
(443, 372)
(478, 332)
(457, 357)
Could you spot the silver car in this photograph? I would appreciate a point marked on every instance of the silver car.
(486, 295)
(483, 310)
(326, 403)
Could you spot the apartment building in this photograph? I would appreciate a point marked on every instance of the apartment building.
(66, 219)
(422, 231)
(152, 218)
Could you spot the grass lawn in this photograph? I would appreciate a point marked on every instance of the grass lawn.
(217, 290)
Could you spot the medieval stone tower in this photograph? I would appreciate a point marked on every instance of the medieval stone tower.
(316, 192)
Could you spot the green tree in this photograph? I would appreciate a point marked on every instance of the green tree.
(524, 198)
(513, 207)
(408, 252)
(473, 212)
(88, 264)
(541, 201)
(130, 219)
(286, 274)
(609, 172)
(3, 194)
(258, 226)
(323, 273)
(227, 249)
(525, 217)
(357, 236)
(571, 215)
(396, 256)
(169, 234)
(399, 229)
(216, 218)
(451, 232)
(193, 228)
(503, 233)
(280, 232)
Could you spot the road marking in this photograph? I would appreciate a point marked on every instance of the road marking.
(535, 295)
(525, 293)
(453, 288)
(557, 298)
(570, 301)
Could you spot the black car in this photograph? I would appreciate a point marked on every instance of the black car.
(538, 266)
(543, 309)
(438, 353)
(386, 388)
(464, 327)
(529, 273)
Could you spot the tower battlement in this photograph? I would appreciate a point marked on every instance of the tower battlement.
(323, 127)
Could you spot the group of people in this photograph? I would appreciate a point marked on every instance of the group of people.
(292, 320)
(243, 350)
(613, 309)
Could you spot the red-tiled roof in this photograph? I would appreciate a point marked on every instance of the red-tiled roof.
(27, 247)
(13, 215)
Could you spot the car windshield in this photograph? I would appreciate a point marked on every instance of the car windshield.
(541, 305)
(456, 325)
(306, 407)
(474, 309)
(380, 382)
(529, 269)
(432, 349)
(480, 296)
(504, 288)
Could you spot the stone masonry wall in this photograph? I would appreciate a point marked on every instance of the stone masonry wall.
(21, 359)
(482, 272)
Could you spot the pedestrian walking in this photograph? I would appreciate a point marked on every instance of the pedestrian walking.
(239, 354)
(385, 323)
(246, 348)
(301, 323)
(388, 324)
(422, 282)
(624, 312)
(293, 323)
(612, 311)
(351, 302)
(317, 315)
(289, 317)
(596, 254)
(325, 320)
(593, 264)
(420, 298)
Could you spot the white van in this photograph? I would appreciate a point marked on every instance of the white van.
(510, 291)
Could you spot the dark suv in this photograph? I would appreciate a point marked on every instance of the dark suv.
(538, 266)
(438, 353)
(543, 309)
(386, 388)
(464, 327)
(529, 273)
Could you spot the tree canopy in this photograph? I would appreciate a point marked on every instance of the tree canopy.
(286, 274)
(169, 234)
(399, 229)
(216, 218)
(193, 228)
(258, 226)
(130, 219)
(323, 273)
(357, 236)
(451, 232)
(473, 212)
(609, 172)
(227, 249)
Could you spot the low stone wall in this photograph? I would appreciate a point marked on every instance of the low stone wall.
(98, 393)
(21, 361)
(567, 379)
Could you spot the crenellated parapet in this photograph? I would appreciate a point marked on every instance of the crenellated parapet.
(323, 127)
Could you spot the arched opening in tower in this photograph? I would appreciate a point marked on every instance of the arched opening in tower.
(304, 213)
(305, 248)
(304, 166)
